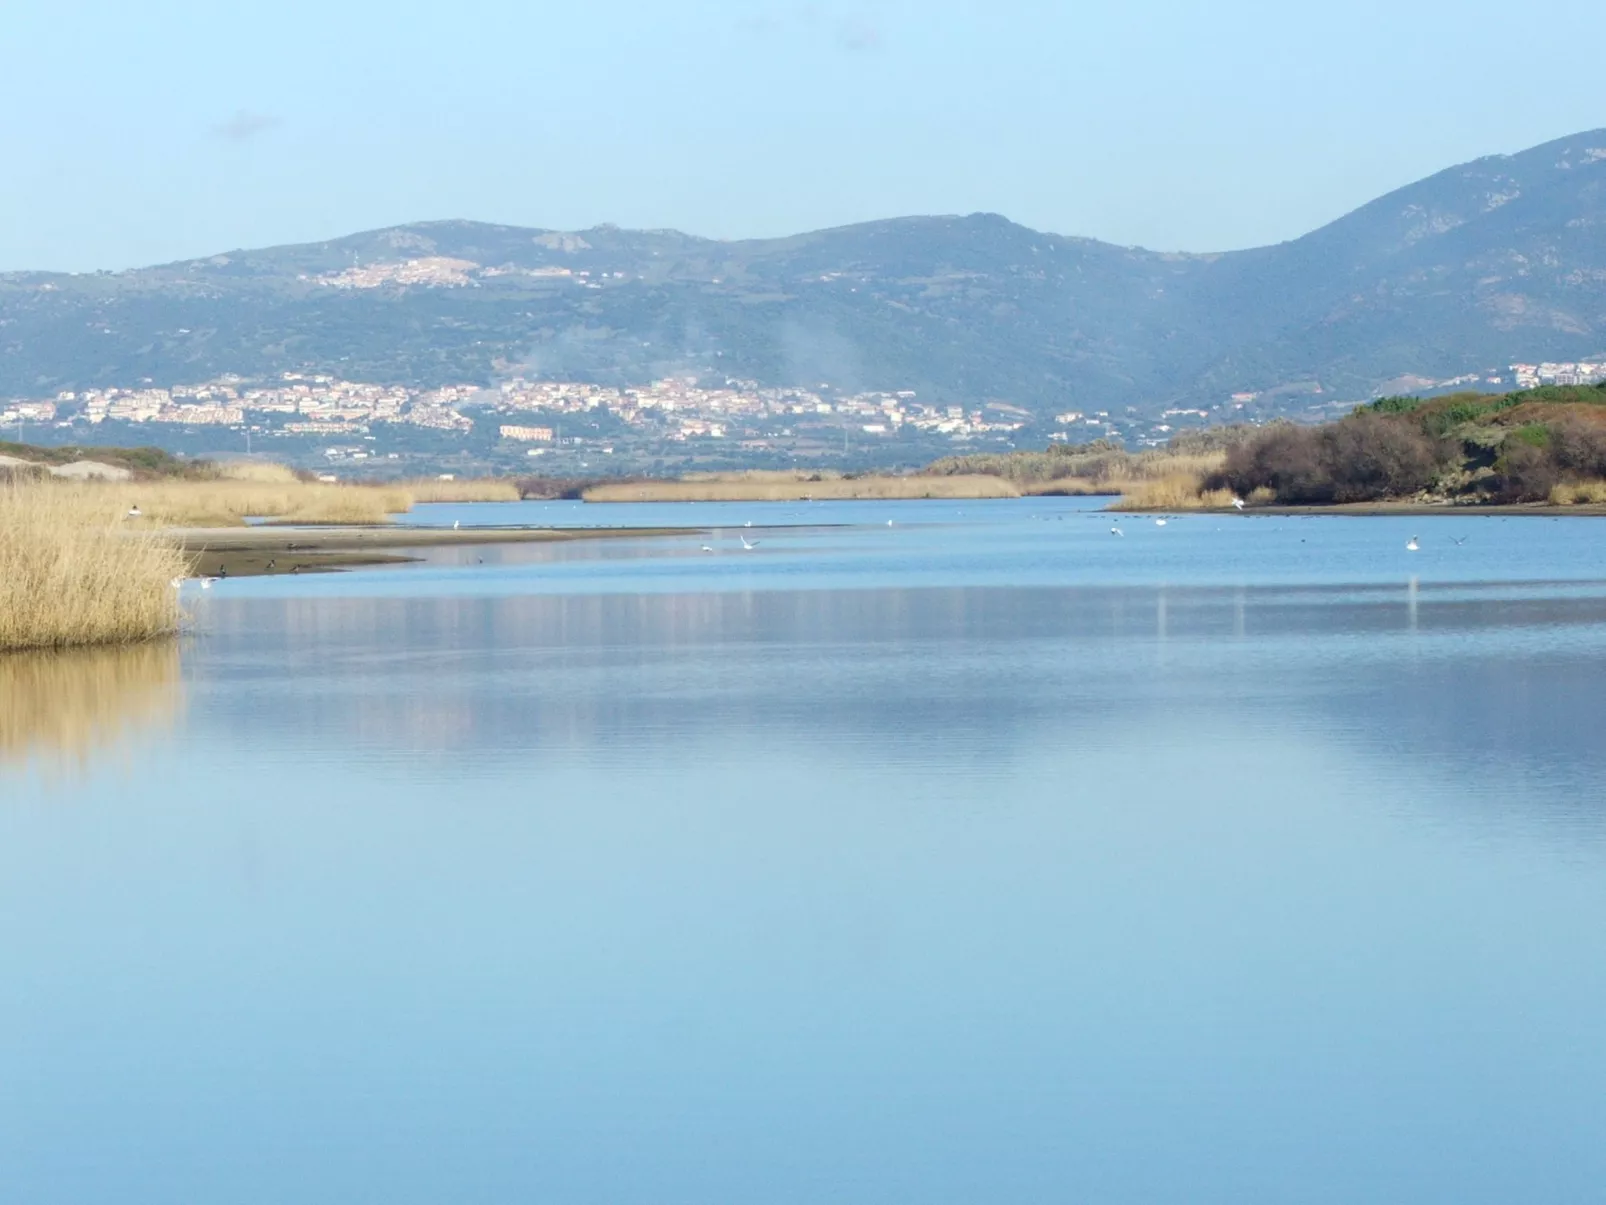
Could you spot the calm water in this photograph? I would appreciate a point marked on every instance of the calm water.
(985, 857)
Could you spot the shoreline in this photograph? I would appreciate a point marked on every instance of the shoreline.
(1423, 510)
(272, 550)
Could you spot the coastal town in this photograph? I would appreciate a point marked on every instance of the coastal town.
(676, 417)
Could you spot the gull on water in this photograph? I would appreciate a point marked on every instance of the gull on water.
(1412, 545)
(707, 548)
(206, 582)
(1159, 522)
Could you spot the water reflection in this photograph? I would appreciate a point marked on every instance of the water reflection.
(67, 707)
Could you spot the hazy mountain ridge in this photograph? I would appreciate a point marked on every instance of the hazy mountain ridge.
(1499, 259)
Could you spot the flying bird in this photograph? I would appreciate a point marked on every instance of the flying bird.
(1412, 545)
(1116, 531)
(746, 545)
(1238, 503)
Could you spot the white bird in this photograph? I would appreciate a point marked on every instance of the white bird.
(177, 583)
(745, 544)
(134, 512)
(1159, 522)
(889, 522)
(706, 548)
(456, 523)
(1238, 503)
(1412, 545)
(206, 582)
(1116, 531)
(749, 523)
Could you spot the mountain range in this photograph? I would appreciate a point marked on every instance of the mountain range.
(1498, 260)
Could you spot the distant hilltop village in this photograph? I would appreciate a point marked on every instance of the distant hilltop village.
(669, 411)
(664, 417)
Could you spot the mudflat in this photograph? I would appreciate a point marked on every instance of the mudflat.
(270, 549)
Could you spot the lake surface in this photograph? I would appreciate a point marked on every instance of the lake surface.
(986, 856)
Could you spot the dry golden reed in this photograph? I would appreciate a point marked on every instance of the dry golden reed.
(473, 489)
(71, 703)
(229, 502)
(73, 573)
(1579, 493)
(749, 489)
(1180, 491)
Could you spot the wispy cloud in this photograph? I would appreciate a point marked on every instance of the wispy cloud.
(244, 126)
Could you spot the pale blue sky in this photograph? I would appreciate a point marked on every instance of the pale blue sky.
(141, 132)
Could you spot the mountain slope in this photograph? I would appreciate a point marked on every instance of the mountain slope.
(1496, 260)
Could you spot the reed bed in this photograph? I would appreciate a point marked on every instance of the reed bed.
(72, 703)
(71, 573)
(228, 502)
(1179, 491)
(1579, 493)
(263, 472)
(745, 489)
(474, 489)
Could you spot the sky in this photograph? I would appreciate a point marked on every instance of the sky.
(143, 133)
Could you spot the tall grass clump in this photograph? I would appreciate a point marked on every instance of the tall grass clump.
(227, 502)
(1578, 493)
(71, 573)
(1179, 491)
(262, 472)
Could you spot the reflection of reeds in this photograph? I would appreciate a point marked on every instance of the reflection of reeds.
(71, 574)
(74, 703)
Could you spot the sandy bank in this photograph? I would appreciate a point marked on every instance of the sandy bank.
(254, 551)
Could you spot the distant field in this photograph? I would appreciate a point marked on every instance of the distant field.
(781, 487)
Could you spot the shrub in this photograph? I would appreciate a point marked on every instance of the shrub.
(1525, 473)
(1368, 456)
(1282, 458)
(1578, 448)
